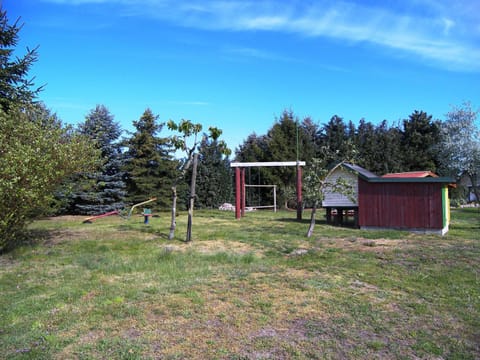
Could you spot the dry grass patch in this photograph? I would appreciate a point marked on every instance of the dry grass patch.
(251, 317)
(249, 289)
(362, 244)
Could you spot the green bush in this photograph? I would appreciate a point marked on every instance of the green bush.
(36, 154)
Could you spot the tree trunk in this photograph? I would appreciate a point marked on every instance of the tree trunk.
(312, 220)
(192, 198)
(173, 223)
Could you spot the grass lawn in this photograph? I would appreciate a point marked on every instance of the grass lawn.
(254, 288)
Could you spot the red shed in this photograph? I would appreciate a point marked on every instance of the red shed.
(415, 201)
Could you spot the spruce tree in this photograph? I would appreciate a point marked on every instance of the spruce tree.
(150, 167)
(104, 190)
(214, 180)
(420, 137)
(336, 138)
(367, 146)
(15, 86)
(388, 154)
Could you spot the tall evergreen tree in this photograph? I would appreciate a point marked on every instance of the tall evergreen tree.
(388, 154)
(214, 176)
(287, 141)
(254, 148)
(103, 190)
(15, 86)
(335, 138)
(308, 132)
(36, 151)
(282, 146)
(420, 137)
(150, 167)
(366, 143)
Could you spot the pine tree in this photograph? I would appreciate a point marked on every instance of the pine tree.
(214, 179)
(254, 148)
(420, 137)
(150, 168)
(335, 138)
(36, 151)
(388, 154)
(367, 146)
(104, 190)
(15, 87)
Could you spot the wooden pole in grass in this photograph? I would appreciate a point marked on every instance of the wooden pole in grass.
(192, 198)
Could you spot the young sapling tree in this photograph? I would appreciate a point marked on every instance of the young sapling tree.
(188, 141)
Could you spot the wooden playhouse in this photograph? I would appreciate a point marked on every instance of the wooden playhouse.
(414, 201)
(340, 207)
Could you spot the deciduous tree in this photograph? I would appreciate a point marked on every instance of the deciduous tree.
(36, 151)
(188, 140)
(35, 156)
(460, 145)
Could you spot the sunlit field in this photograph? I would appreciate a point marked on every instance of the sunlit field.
(254, 288)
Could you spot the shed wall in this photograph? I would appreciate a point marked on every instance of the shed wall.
(335, 199)
(401, 205)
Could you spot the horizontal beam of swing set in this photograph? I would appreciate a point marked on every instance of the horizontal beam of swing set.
(267, 164)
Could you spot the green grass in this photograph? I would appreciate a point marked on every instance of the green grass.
(254, 288)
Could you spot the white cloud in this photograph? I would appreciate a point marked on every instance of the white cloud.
(442, 32)
(248, 52)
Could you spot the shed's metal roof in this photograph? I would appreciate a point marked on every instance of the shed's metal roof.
(360, 170)
(411, 174)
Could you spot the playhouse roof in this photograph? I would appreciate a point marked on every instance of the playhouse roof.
(410, 174)
(359, 170)
(407, 177)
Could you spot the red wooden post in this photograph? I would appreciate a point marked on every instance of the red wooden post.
(299, 192)
(243, 191)
(238, 196)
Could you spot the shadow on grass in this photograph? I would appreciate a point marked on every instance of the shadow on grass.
(306, 222)
(29, 238)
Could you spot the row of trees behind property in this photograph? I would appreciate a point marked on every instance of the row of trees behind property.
(144, 164)
(93, 169)
(141, 166)
(47, 166)
(449, 147)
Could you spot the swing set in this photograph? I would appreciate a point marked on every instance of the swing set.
(240, 185)
(274, 206)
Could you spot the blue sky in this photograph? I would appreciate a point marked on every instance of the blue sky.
(238, 64)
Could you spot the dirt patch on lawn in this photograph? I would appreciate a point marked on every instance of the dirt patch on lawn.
(217, 246)
(213, 246)
(370, 245)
